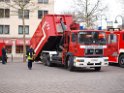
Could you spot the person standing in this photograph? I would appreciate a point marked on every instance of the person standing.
(30, 56)
(4, 56)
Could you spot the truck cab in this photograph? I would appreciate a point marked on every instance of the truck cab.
(84, 48)
(115, 50)
(1, 46)
(78, 48)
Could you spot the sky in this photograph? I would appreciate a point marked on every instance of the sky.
(62, 5)
(113, 6)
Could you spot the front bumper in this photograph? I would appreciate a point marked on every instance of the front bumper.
(90, 62)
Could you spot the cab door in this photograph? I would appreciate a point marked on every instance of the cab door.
(65, 46)
(112, 50)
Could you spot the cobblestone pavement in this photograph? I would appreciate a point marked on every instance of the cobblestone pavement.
(16, 78)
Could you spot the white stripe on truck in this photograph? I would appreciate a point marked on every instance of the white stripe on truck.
(44, 36)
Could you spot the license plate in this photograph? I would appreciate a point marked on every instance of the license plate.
(94, 59)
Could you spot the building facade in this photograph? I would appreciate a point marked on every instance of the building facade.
(11, 29)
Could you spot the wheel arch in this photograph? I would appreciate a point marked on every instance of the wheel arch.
(121, 64)
(120, 55)
(67, 56)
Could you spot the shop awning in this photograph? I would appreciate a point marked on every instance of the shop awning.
(20, 42)
(1, 41)
(8, 42)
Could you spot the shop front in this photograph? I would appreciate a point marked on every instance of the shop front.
(19, 46)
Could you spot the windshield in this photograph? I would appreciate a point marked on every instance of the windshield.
(92, 37)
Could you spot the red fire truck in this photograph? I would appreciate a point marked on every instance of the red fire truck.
(115, 51)
(1, 46)
(55, 43)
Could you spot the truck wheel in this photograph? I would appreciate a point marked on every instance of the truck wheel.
(48, 62)
(121, 61)
(44, 59)
(70, 63)
(97, 68)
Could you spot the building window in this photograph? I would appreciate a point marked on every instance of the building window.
(41, 13)
(24, 1)
(4, 13)
(43, 1)
(4, 0)
(4, 29)
(1, 0)
(19, 48)
(1, 29)
(9, 48)
(26, 14)
(1, 13)
(7, 0)
(7, 13)
(20, 31)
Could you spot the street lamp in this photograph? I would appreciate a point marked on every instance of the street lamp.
(122, 18)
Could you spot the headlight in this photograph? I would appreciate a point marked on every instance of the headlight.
(105, 59)
(78, 60)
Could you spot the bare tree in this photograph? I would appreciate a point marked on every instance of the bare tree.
(88, 10)
(20, 6)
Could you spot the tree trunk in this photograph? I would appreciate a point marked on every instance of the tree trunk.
(24, 45)
(87, 15)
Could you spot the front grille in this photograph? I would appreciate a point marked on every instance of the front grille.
(97, 63)
(93, 52)
(99, 51)
(90, 63)
(89, 51)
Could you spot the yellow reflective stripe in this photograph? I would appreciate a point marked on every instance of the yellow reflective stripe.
(30, 57)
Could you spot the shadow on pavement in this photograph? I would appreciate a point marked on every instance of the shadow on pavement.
(114, 64)
(57, 66)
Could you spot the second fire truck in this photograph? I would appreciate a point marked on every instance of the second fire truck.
(115, 51)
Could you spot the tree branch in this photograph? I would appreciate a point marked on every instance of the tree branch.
(94, 8)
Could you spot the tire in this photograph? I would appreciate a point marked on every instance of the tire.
(46, 61)
(121, 61)
(70, 63)
(97, 68)
(66, 63)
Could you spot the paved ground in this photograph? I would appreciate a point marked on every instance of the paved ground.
(16, 78)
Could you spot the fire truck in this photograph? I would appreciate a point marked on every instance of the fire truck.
(1, 46)
(115, 51)
(55, 42)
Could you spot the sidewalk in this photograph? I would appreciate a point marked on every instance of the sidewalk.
(15, 59)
